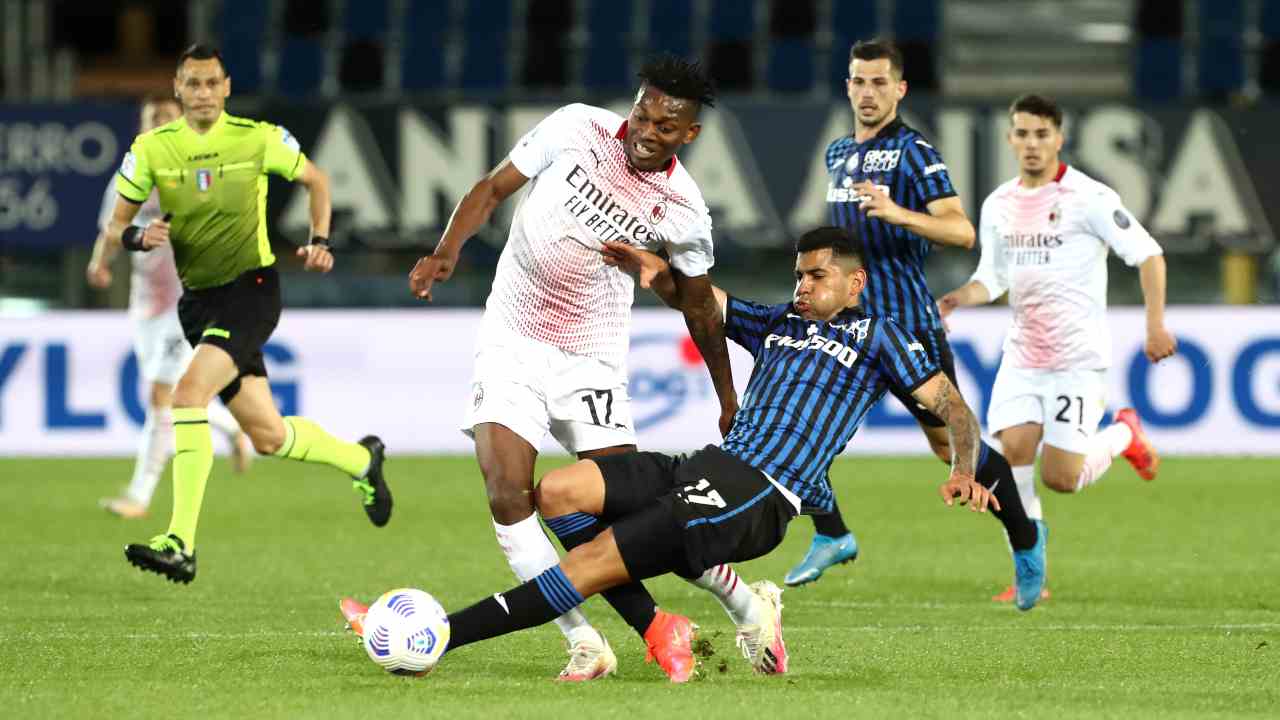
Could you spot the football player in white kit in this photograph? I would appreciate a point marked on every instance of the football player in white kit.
(551, 355)
(158, 343)
(1045, 236)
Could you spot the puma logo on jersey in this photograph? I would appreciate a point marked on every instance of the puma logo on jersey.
(843, 354)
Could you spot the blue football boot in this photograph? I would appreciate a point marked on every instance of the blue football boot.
(1029, 567)
(825, 552)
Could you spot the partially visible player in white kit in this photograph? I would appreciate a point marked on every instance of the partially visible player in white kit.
(158, 343)
(1045, 236)
(551, 356)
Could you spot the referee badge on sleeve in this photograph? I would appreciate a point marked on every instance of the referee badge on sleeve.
(129, 165)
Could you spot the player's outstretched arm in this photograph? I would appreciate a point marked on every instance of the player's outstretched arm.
(472, 212)
(650, 270)
(944, 400)
(653, 273)
(1160, 342)
(316, 254)
(704, 316)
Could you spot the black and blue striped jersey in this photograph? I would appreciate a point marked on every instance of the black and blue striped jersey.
(911, 172)
(812, 384)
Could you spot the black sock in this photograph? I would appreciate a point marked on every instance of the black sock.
(831, 524)
(538, 601)
(994, 472)
(631, 601)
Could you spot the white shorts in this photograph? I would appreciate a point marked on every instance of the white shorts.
(531, 388)
(163, 352)
(1068, 403)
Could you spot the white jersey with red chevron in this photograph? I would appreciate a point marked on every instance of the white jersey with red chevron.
(1047, 246)
(153, 285)
(552, 284)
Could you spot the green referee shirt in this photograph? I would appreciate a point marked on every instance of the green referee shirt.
(215, 186)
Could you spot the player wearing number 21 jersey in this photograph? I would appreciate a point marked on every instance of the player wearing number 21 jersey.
(1045, 238)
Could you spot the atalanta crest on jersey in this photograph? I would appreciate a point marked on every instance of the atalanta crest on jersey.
(658, 212)
(204, 179)
(851, 165)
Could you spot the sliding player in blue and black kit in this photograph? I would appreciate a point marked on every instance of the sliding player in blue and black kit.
(891, 186)
(820, 364)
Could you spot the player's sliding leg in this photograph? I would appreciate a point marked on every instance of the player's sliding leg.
(1027, 537)
(506, 461)
(632, 601)
(585, 571)
(743, 604)
(298, 438)
(833, 543)
(576, 507)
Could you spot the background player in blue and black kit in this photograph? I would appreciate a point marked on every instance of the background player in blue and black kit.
(889, 184)
(820, 364)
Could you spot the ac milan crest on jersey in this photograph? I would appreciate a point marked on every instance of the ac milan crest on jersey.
(658, 212)
(204, 179)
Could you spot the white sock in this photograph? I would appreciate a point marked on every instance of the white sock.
(155, 446)
(1117, 436)
(221, 419)
(733, 594)
(530, 553)
(1108, 443)
(1025, 478)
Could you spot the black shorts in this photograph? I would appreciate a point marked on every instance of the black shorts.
(939, 351)
(687, 514)
(238, 317)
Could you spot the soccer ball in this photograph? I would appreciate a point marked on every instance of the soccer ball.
(406, 631)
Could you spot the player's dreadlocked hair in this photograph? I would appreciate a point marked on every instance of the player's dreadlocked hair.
(679, 78)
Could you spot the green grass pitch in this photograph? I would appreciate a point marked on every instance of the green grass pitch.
(1166, 603)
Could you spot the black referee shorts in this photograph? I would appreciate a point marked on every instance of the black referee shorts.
(687, 514)
(238, 317)
(938, 349)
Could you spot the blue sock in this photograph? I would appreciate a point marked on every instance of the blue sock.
(534, 603)
(631, 601)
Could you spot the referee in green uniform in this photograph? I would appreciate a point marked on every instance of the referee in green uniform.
(210, 171)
